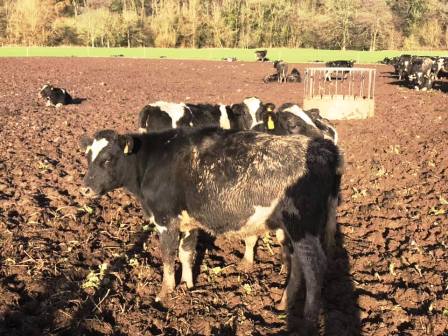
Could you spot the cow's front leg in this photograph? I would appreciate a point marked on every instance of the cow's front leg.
(187, 247)
(169, 240)
(248, 260)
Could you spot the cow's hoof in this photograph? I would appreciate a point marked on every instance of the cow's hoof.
(281, 306)
(163, 295)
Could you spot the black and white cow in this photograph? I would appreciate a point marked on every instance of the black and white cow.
(250, 111)
(282, 70)
(329, 74)
(261, 55)
(55, 96)
(239, 183)
(403, 66)
(164, 115)
(294, 76)
(422, 73)
(340, 64)
(291, 119)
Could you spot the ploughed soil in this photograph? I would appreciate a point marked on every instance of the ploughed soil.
(72, 266)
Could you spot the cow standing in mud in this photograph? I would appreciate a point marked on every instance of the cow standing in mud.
(227, 182)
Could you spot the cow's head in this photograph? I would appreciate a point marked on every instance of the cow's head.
(45, 91)
(106, 154)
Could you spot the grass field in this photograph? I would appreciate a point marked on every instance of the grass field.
(289, 55)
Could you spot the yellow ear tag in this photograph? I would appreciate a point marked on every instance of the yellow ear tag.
(270, 123)
(87, 149)
(126, 149)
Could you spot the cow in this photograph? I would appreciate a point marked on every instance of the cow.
(337, 64)
(422, 73)
(165, 115)
(403, 66)
(261, 55)
(226, 182)
(340, 64)
(282, 70)
(229, 59)
(294, 76)
(251, 110)
(55, 96)
(270, 78)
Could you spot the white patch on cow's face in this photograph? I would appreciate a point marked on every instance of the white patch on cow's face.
(253, 104)
(262, 214)
(96, 147)
(297, 111)
(224, 121)
(174, 110)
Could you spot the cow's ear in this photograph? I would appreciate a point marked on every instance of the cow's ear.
(85, 142)
(127, 143)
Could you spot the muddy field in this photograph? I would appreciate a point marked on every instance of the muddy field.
(70, 266)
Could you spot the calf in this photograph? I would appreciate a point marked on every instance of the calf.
(55, 96)
(261, 55)
(294, 76)
(162, 115)
(340, 64)
(291, 119)
(251, 110)
(403, 66)
(422, 73)
(239, 183)
(270, 78)
(337, 64)
(282, 70)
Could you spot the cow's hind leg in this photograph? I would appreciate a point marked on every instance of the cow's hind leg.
(294, 279)
(169, 240)
(313, 263)
(187, 247)
(331, 226)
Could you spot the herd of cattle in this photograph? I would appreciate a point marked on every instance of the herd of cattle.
(240, 170)
(281, 71)
(419, 72)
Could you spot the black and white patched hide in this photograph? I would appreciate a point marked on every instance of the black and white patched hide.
(55, 96)
(226, 182)
(163, 115)
(158, 116)
(250, 112)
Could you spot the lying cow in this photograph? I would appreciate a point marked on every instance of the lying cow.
(239, 183)
(294, 76)
(282, 70)
(261, 55)
(329, 74)
(340, 64)
(55, 96)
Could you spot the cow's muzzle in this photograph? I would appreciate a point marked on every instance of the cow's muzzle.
(89, 193)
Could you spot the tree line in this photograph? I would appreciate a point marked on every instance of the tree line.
(325, 24)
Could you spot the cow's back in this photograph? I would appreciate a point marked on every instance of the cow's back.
(229, 175)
